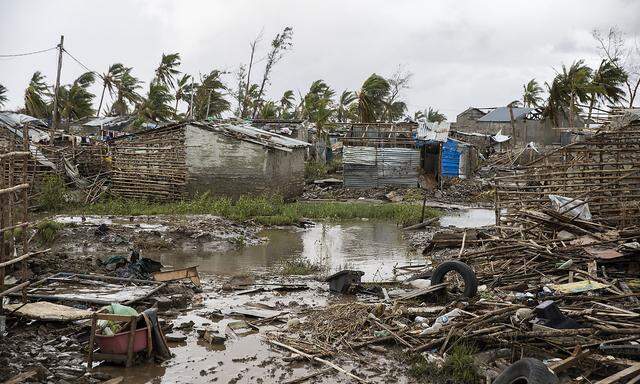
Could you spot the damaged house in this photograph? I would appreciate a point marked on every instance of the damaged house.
(187, 159)
(380, 154)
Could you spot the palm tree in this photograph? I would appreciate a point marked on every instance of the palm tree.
(3, 95)
(167, 70)
(183, 91)
(318, 103)
(209, 97)
(109, 81)
(75, 101)
(268, 110)
(576, 82)
(156, 106)
(531, 95)
(607, 83)
(371, 98)
(419, 114)
(395, 110)
(346, 99)
(286, 104)
(434, 116)
(34, 96)
(127, 94)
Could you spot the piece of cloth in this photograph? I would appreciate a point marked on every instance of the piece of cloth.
(160, 350)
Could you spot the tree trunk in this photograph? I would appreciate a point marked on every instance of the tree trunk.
(591, 104)
(246, 88)
(104, 87)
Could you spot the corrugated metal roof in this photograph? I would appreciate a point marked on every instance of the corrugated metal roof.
(433, 131)
(108, 121)
(267, 138)
(13, 119)
(502, 115)
(369, 167)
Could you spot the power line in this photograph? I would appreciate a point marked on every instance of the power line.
(29, 53)
(80, 63)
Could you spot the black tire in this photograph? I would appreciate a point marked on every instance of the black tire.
(469, 277)
(527, 371)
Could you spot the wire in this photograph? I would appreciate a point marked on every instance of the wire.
(82, 65)
(29, 53)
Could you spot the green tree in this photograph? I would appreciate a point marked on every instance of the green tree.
(183, 91)
(3, 95)
(110, 81)
(343, 113)
(394, 109)
(268, 110)
(569, 87)
(167, 70)
(156, 106)
(419, 114)
(34, 97)
(209, 97)
(607, 84)
(531, 95)
(127, 95)
(286, 104)
(371, 98)
(318, 104)
(279, 45)
(434, 116)
(74, 100)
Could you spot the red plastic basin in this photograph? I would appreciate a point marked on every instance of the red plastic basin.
(117, 344)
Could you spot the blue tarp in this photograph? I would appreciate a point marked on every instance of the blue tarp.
(450, 159)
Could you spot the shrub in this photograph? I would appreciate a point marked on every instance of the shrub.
(51, 194)
(47, 230)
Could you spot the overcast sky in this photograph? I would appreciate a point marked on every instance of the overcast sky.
(461, 53)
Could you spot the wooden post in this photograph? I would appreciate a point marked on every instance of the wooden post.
(92, 339)
(25, 209)
(132, 336)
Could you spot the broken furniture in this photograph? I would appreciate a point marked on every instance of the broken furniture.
(190, 273)
(345, 281)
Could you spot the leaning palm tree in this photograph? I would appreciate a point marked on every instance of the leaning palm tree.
(156, 106)
(576, 82)
(75, 101)
(167, 70)
(183, 90)
(127, 94)
(209, 97)
(268, 110)
(3, 95)
(531, 96)
(346, 99)
(419, 114)
(371, 98)
(34, 96)
(434, 116)
(607, 83)
(109, 81)
(286, 104)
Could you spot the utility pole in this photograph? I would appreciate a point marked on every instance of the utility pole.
(56, 117)
(208, 103)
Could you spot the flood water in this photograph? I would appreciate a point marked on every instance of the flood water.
(374, 247)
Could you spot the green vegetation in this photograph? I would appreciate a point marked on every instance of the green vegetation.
(47, 230)
(302, 267)
(313, 170)
(459, 367)
(264, 210)
(51, 195)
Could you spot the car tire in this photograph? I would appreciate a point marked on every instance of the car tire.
(527, 371)
(468, 276)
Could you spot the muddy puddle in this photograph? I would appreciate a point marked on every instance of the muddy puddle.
(374, 247)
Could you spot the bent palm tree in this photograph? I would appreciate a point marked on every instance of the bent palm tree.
(286, 104)
(209, 97)
(156, 106)
(75, 101)
(127, 94)
(371, 98)
(183, 91)
(434, 116)
(3, 95)
(34, 96)
(531, 95)
(109, 81)
(607, 83)
(167, 70)
(346, 99)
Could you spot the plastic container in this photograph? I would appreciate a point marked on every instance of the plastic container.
(341, 281)
(118, 343)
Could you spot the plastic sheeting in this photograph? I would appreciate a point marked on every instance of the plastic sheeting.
(571, 207)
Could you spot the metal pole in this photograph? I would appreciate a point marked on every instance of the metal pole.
(56, 117)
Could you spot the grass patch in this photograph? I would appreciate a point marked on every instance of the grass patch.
(51, 194)
(47, 230)
(264, 210)
(459, 367)
(302, 267)
(313, 170)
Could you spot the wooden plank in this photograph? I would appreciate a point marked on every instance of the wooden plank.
(625, 373)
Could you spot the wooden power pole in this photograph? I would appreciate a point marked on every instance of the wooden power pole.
(56, 117)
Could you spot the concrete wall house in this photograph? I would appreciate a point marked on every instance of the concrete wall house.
(188, 159)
